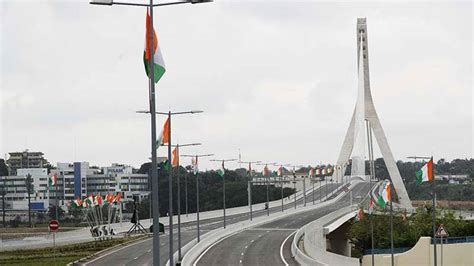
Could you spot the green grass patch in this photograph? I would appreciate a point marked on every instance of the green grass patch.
(61, 255)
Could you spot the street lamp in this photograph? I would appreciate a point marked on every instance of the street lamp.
(177, 147)
(266, 182)
(197, 190)
(249, 187)
(294, 184)
(223, 180)
(154, 164)
(281, 182)
(170, 178)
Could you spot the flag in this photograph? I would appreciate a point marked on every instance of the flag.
(166, 165)
(159, 65)
(329, 170)
(164, 137)
(265, 170)
(360, 215)
(174, 161)
(371, 205)
(194, 163)
(85, 203)
(109, 198)
(250, 168)
(90, 201)
(98, 200)
(53, 180)
(386, 196)
(280, 171)
(311, 172)
(318, 171)
(77, 203)
(425, 174)
(222, 170)
(117, 197)
(323, 171)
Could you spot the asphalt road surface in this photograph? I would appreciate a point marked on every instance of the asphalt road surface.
(141, 253)
(261, 245)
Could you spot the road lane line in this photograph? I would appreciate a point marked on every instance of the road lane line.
(281, 248)
(113, 251)
(215, 243)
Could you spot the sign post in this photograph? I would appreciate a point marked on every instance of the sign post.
(442, 232)
(54, 227)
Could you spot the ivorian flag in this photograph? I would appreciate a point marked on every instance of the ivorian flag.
(164, 137)
(174, 160)
(85, 203)
(98, 199)
(360, 214)
(318, 171)
(425, 174)
(371, 205)
(311, 172)
(386, 196)
(194, 162)
(77, 203)
(280, 171)
(90, 201)
(117, 197)
(159, 65)
(109, 198)
(221, 171)
(53, 180)
(265, 170)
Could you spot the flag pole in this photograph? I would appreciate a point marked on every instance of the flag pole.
(433, 187)
(391, 227)
(170, 192)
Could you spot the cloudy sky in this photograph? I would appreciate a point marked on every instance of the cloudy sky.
(275, 79)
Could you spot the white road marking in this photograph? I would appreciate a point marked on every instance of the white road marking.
(246, 246)
(281, 248)
(135, 258)
(217, 242)
(113, 251)
(241, 254)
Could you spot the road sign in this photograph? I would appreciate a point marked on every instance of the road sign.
(53, 225)
(441, 231)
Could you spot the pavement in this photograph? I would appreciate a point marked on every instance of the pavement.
(262, 245)
(140, 253)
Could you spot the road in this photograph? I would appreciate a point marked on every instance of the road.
(261, 245)
(140, 253)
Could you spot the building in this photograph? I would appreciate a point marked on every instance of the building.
(25, 159)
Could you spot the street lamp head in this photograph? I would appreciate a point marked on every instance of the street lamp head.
(102, 2)
(196, 112)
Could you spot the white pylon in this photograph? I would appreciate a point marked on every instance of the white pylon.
(348, 146)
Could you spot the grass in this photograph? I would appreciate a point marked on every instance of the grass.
(61, 255)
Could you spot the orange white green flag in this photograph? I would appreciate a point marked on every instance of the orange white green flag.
(221, 171)
(158, 63)
(164, 137)
(386, 196)
(174, 160)
(425, 174)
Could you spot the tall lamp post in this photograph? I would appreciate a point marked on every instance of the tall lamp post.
(280, 174)
(223, 181)
(265, 175)
(433, 195)
(249, 188)
(170, 175)
(154, 164)
(196, 157)
(177, 147)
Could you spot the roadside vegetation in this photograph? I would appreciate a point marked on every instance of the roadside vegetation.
(407, 229)
(61, 255)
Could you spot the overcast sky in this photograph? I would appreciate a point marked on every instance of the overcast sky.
(275, 79)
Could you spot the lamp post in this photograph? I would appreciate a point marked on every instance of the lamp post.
(223, 181)
(177, 147)
(154, 164)
(170, 175)
(281, 182)
(197, 189)
(249, 188)
(433, 192)
(265, 175)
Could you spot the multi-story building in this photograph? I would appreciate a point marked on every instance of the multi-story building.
(25, 159)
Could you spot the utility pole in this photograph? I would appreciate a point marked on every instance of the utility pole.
(196, 172)
(222, 174)
(372, 173)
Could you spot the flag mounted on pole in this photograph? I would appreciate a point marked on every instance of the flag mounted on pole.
(371, 205)
(164, 137)
(222, 170)
(425, 174)
(174, 161)
(386, 196)
(265, 170)
(280, 171)
(159, 65)
(360, 214)
(195, 165)
(311, 172)
(53, 180)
